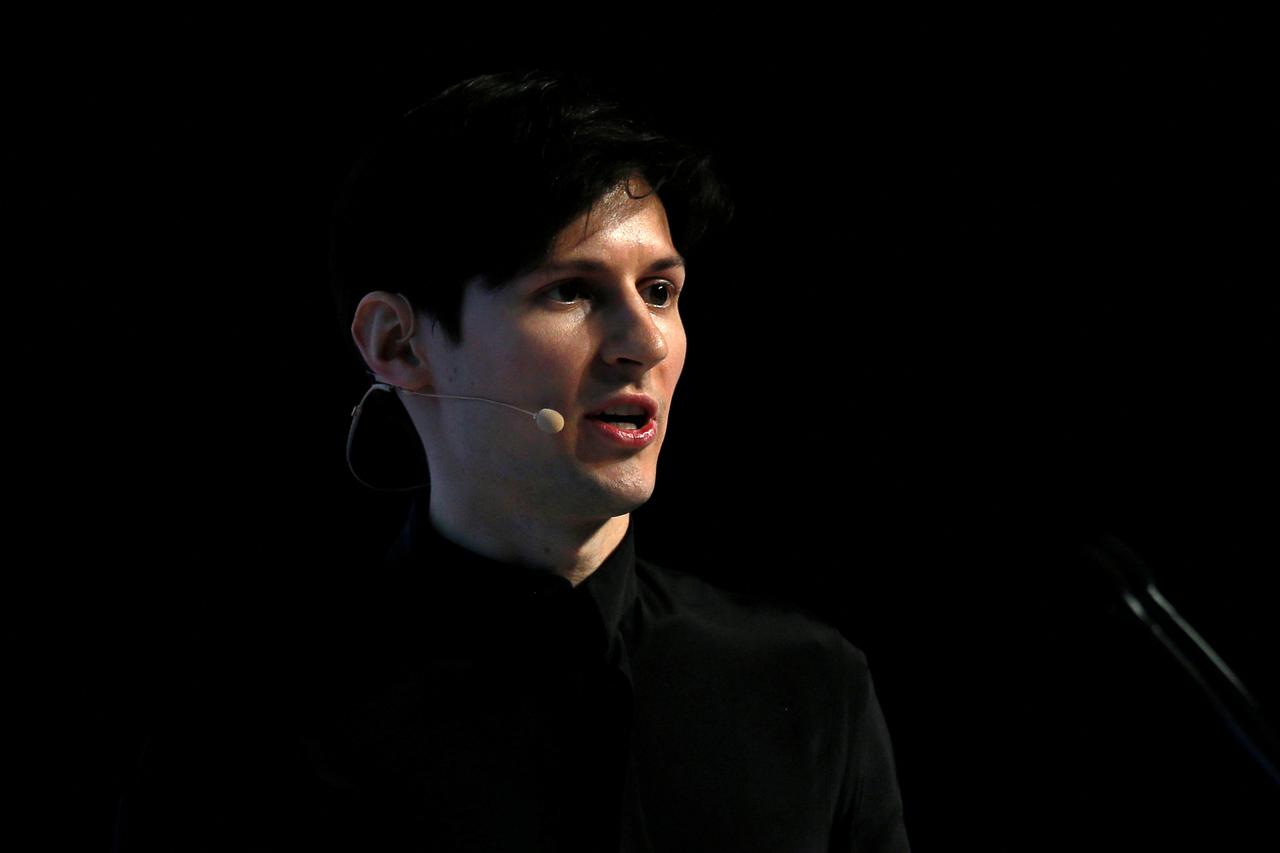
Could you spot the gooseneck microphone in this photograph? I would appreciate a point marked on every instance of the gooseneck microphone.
(1239, 710)
(548, 420)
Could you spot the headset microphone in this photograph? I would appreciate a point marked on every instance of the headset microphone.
(548, 420)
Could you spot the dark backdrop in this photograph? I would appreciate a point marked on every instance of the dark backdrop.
(996, 289)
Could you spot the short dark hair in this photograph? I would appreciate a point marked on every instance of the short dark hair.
(480, 179)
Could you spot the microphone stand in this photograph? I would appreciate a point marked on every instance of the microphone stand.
(1233, 702)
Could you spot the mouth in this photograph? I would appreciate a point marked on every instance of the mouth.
(631, 412)
(627, 420)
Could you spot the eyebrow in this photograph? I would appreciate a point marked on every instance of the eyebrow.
(589, 265)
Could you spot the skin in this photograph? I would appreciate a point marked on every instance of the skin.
(567, 339)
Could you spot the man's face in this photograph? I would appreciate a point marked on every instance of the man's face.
(600, 320)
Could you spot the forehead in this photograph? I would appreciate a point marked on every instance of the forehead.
(630, 217)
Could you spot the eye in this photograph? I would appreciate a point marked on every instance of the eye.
(566, 292)
(661, 293)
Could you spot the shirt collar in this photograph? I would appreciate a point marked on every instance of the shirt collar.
(444, 564)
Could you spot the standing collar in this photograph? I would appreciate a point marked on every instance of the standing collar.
(432, 559)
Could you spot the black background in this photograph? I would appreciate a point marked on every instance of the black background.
(996, 288)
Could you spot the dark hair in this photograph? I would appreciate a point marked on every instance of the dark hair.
(480, 179)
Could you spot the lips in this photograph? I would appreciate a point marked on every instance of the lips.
(627, 412)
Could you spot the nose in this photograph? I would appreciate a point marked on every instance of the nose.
(634, 339)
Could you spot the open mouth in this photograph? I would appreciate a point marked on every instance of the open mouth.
(626, 412)
(632, 421)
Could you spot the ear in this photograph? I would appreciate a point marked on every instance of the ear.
(383, 329)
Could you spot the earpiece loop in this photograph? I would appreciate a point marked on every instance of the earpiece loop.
(351, 435)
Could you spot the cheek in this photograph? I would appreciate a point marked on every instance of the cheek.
(544, 355)
(677, 348)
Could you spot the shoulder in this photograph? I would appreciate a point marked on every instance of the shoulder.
(762, 627)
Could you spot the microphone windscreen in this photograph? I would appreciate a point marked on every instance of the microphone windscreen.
(549, 420)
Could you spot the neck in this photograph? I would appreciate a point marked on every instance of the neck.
(571, 549)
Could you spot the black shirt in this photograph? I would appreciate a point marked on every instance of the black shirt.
(459, 703)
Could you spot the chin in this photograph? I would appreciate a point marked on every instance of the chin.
(628, 501)
(621, 497)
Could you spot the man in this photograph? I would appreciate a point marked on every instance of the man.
(514, 677)
(593, 332)
(669, 715)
